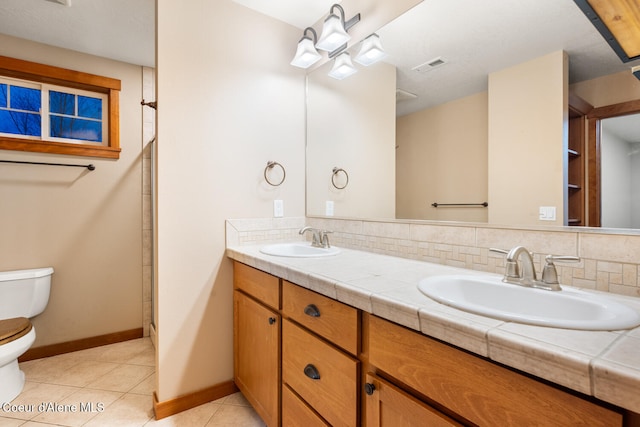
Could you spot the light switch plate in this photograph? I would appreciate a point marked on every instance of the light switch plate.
(328, 210)
(278, 208)
(547, 213)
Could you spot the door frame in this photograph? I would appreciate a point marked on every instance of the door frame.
(594, 155)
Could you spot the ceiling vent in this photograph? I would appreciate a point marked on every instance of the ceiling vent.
(430, 65)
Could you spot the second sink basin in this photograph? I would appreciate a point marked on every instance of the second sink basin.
(568, 308)
(298, 250)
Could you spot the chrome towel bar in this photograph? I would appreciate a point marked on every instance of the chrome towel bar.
(436, 205)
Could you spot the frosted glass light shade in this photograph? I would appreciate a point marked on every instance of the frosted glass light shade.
(306, 54)
(342, 67)
(333, 34)
(371, 51)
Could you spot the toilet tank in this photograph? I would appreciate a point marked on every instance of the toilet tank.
(24, 293)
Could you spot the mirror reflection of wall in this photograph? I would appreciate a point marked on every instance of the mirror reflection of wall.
(620, 171)
(492, 121)
(351, 125)
(441, 157)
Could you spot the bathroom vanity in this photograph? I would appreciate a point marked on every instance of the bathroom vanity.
(314, 349)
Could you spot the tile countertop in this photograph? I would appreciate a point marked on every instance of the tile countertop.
(604, 364)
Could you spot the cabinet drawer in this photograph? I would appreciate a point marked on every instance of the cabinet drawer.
(330, 319)
(332, 392)
(476, 389)
(296, 413)
(256, 283)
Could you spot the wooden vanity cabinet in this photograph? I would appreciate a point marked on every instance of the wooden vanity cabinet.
(256, 340)
(302, 359)
(472, 389)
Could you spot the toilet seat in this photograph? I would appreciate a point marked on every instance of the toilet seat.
(12, 329)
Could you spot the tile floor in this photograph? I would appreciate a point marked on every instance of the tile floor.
(109, 386)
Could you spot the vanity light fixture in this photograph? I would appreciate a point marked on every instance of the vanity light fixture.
(342, 67)
(334, 30)
(371, 51)
(306, 54)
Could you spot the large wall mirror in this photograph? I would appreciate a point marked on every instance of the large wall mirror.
(470, 111)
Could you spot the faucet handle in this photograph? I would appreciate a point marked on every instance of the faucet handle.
(568, 258)
(324, 238)
(549, 273)
(512, 271)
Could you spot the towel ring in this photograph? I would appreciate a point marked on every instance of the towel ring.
(271, 165)
(337, 170)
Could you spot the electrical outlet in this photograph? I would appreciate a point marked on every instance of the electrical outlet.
(328, 210)
(278, 208)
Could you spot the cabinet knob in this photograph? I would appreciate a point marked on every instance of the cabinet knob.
(272, 320)
(312, 310)
(312, 372)
(369, 388)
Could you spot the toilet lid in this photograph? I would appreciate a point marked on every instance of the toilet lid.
(12, 329)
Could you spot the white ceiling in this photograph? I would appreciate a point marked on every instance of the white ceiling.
(477, 38)
(474, 37)
(299, 13)
(123, 30)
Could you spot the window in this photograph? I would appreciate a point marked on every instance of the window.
(54, 110)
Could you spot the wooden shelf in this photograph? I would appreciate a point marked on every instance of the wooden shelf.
(578, 109)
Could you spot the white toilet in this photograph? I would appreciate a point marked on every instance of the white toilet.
(23, 294)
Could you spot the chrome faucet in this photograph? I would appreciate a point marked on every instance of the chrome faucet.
(512, 274)
(315, 239)
(523, 273)
(320, 238)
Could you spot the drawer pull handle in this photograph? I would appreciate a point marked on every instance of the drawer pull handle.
(272, 320)
(312, 372)
(312, 310)
(369, 388)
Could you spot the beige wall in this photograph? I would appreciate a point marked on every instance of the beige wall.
(351, 126)
(442, 157)
(228, 102)
(86, 225)
(527, 140)
(608, 90)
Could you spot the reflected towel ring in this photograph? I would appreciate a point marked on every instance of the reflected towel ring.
(271, 165)
(337, 170)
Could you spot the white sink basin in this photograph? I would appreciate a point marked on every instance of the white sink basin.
(298, 250)
(568, 308)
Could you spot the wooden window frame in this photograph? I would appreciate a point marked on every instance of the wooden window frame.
(25, 70)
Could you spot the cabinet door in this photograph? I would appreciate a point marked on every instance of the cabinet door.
(388, 406)
(257, 355)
